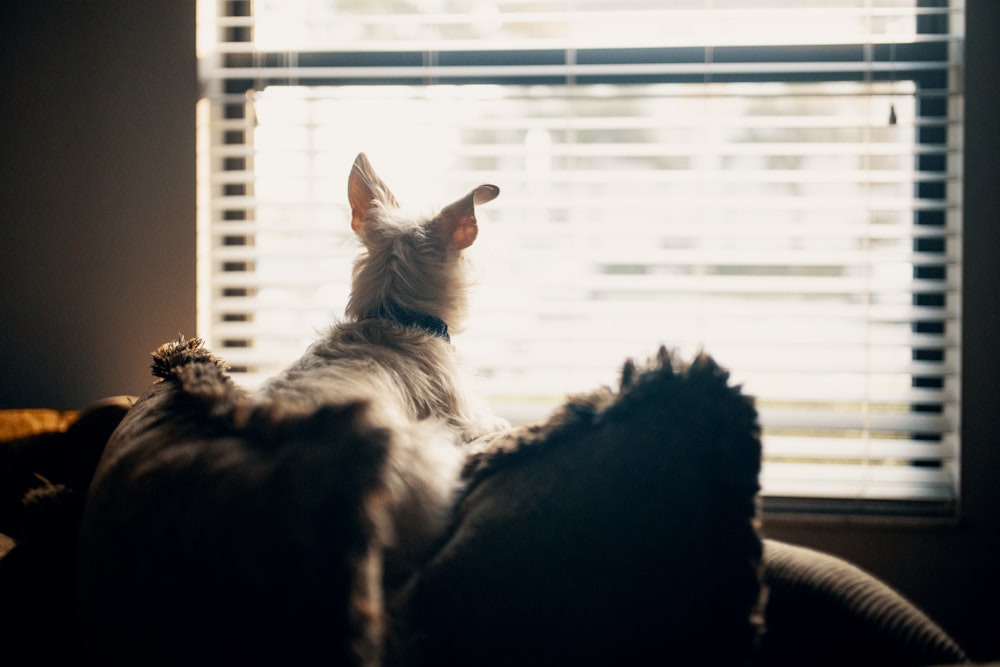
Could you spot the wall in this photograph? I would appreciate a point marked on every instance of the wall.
(97, 259)
(97, 203)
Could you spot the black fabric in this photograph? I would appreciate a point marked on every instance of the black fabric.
(822, 610)
(619, 532)
(220, 531)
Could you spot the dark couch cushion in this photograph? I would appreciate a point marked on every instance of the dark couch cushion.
(621, 531)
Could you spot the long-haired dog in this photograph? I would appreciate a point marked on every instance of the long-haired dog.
(394, 352)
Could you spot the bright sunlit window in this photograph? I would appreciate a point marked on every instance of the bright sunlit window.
(775, 183)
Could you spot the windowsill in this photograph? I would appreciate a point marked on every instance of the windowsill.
(827, 513)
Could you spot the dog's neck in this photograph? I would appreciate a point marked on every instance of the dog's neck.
(393, 311)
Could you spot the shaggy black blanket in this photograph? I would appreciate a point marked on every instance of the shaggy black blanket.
(620, 531)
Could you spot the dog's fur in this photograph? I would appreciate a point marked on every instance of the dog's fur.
(410, 377)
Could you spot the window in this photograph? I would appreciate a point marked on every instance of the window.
(773, 182)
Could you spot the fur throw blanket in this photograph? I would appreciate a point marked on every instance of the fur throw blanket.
(219, 531)
(621, 530)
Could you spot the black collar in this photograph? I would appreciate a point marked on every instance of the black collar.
(411, 318)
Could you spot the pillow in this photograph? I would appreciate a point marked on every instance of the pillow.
(620, 531)
(219, 531)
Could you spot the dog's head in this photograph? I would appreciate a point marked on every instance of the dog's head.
(412, 263)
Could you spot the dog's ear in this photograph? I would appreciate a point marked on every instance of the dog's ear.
(364, 187)
(457, 226)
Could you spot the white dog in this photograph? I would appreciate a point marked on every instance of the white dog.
(394, 351)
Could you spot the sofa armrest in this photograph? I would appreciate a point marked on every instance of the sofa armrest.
(822, 610)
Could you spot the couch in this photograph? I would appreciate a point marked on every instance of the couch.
(624, 529)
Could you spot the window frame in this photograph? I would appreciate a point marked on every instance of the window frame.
(252, 70)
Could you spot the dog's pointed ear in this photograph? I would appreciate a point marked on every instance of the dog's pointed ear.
(364, 187)
(457, 227)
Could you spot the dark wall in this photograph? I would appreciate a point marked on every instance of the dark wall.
(97, 259)
(97, 202)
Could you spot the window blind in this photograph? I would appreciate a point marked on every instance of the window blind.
(776, 185)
